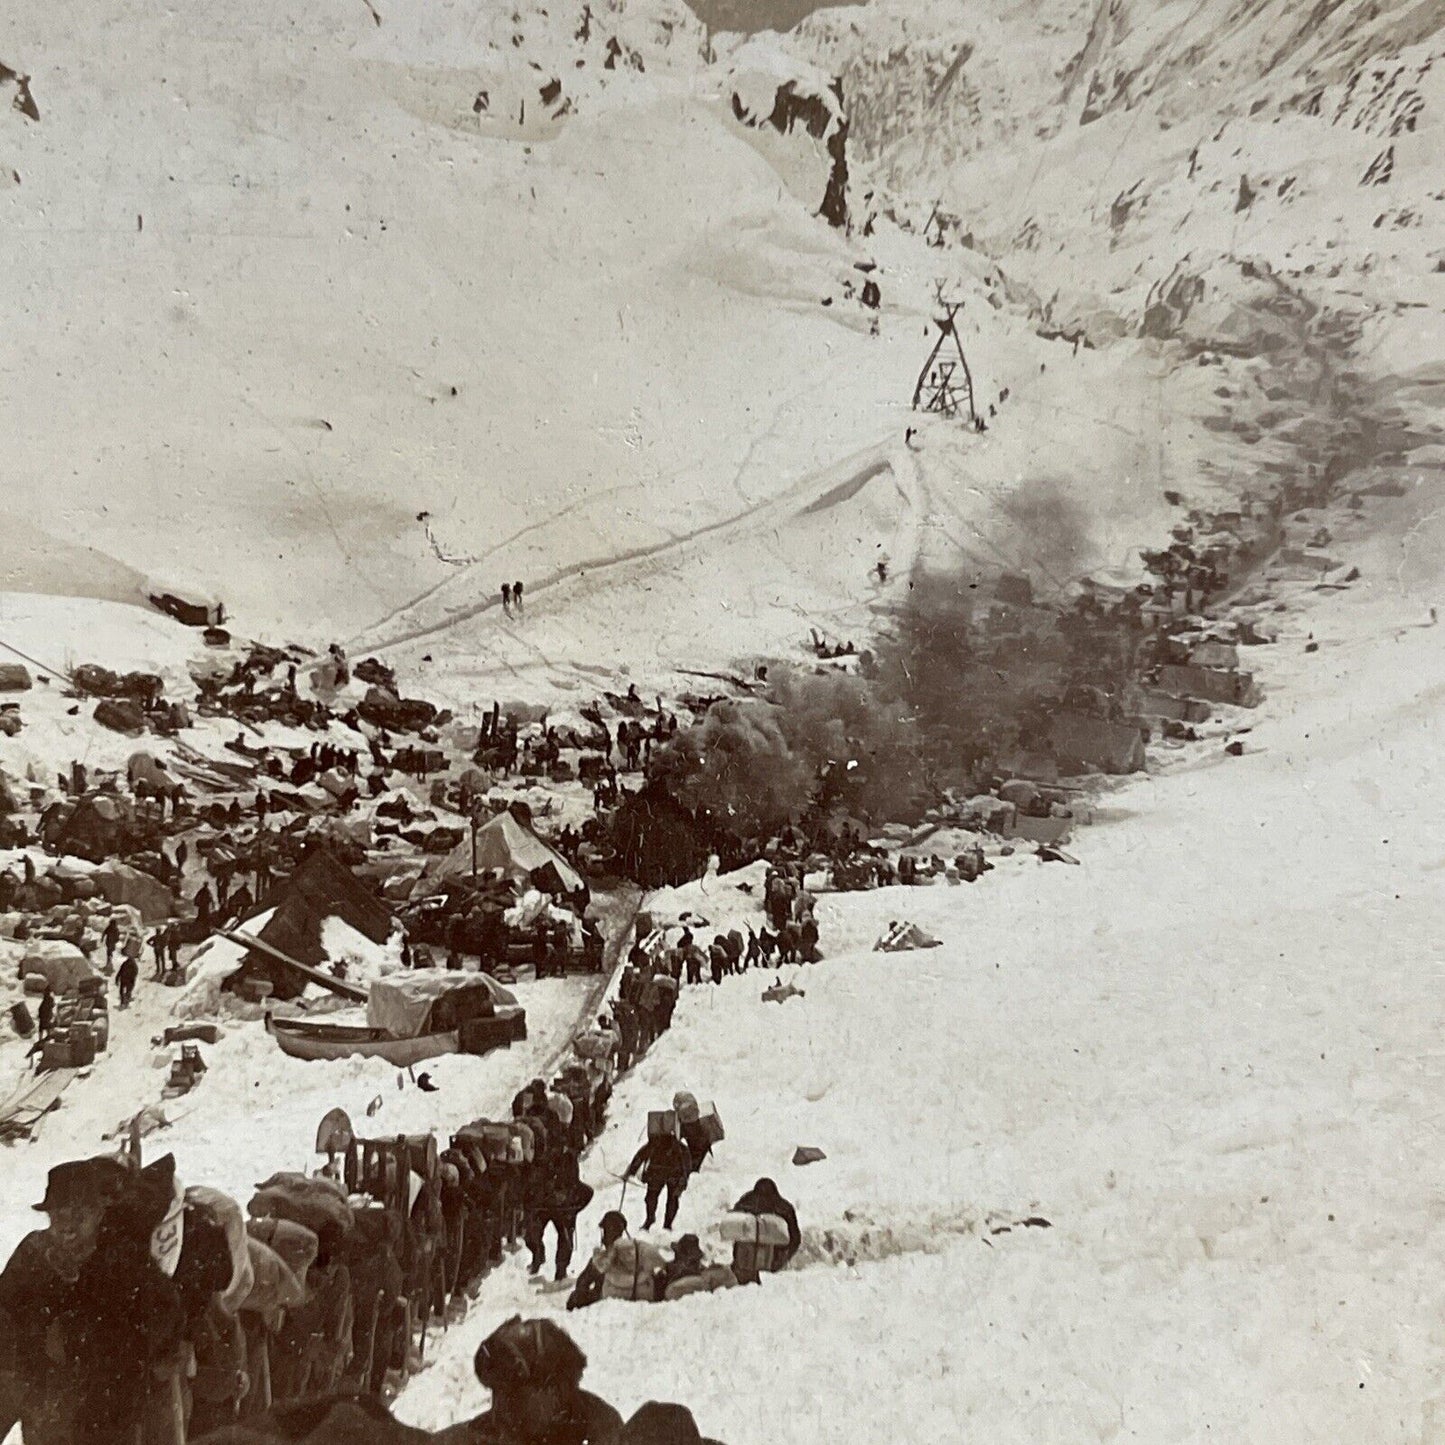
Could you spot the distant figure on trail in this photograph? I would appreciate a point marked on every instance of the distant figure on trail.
(882, 570)
(125, 978)
(517, 597)
(47, 1014)
(507, 598)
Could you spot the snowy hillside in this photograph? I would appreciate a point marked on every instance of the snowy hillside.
(283, 288)
(350, 312)
(345, 303)
(1141, 1152)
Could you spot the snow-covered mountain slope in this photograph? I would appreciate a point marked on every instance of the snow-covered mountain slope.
(275, 287)
(336, 303)
(1092, 149)
(331, 301)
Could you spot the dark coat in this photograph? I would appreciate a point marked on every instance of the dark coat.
(322, 1420)
(756, 1202)
(364, 1420)
(662, 1159)
(205, 1264)
(565, 1193)
(33, 1298)
(591, 1421)
(123, 1321)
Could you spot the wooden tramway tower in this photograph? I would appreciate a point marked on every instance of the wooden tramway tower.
(945, 385)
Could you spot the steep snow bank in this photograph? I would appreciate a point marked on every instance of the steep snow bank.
(1199, 1057)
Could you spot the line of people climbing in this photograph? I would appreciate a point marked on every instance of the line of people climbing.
(329, 1284)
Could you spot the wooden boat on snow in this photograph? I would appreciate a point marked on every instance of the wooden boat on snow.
(410, 1018)
(311, 1039)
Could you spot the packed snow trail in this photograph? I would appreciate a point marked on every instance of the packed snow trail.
(801, 498)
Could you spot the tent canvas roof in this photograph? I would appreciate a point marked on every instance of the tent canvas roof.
(120, 883)
(511, 846)
(321, 887)
(402, 1004)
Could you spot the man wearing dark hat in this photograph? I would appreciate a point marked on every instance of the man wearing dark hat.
(35, 1290)
(534, 1371)
(124, 1330)
(588, 1289)
(686, 1260)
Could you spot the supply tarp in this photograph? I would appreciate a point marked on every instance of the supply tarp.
(402, 1005)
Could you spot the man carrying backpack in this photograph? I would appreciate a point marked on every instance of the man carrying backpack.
(665, 1164)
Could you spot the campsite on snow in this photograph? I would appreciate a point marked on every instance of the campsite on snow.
(719, 721)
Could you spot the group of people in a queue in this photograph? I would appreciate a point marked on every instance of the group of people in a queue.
(136, 1316)
(81, 1364)
(790, 937)
(624, 1267)
(100, 1313)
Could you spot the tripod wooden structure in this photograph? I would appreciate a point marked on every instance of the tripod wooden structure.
(945, 384)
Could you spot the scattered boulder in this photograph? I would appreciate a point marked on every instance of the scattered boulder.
(1211, 683)
(1216, 654)
(92, 680)
(781, 993)
(119, 883)
(57, 963)
(375, 673)
(384, 709)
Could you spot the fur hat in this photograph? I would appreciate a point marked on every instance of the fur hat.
(528, 1352)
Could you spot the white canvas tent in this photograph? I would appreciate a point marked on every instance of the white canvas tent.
(508, 845)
